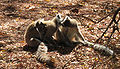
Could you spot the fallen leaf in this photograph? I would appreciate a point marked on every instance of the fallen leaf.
(22, 41)
(3, 50)
(48, 0)
(17, 19)
(91, 28)
(106, 35)
(32, 8)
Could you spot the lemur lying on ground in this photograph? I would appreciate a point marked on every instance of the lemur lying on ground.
(69, 30)
(42, 31)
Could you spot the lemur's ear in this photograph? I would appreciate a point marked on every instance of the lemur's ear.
(66, 21)
(67, 18)
(41, 23)
(37, 23)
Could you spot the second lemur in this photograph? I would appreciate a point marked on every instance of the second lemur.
(70, 30)
(41, 30)
(38, 34)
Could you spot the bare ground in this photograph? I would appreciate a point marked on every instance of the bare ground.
(16, 15)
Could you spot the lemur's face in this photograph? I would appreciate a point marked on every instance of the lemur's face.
(66, 21)
(59, 19)
(40, 26)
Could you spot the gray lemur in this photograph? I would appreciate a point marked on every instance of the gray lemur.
(69, 31)
(38, 34)
(41, 30)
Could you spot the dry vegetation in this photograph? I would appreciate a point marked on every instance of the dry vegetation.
(15, 15)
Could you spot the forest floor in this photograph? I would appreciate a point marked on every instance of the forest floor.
(16, 15)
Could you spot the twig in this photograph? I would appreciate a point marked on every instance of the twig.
(113, 20)
(103, 18)
(82, 15)
(90, 19)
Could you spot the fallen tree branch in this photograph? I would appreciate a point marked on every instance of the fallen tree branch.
(113, 20)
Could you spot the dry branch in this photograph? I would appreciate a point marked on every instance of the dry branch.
(115, 27)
